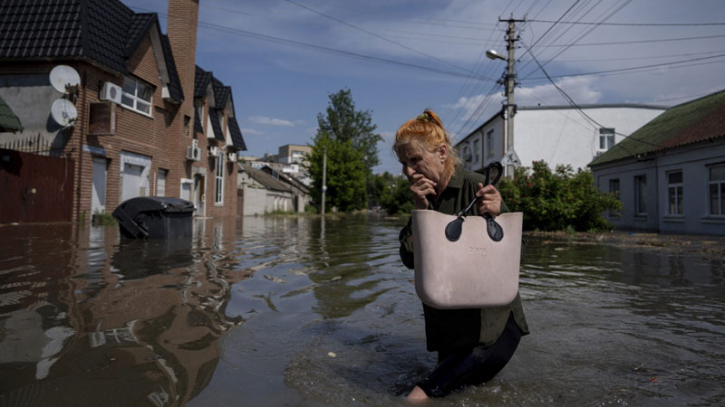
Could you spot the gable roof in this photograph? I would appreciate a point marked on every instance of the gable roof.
(236, 133)
(221, 93)
(267, 180)
(105, 32)
(691, 122)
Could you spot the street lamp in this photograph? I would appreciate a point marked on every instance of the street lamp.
(492, 54)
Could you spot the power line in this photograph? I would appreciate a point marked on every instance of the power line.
(552, 26)
(634, 24)
(375, 35)
(320, 48)
(643, 67)
(610, 15)
(633, 42)
(575, 105)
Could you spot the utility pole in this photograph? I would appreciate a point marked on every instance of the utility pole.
(510, 159)
(324, 180)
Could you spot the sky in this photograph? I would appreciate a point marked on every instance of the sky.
(283, 58)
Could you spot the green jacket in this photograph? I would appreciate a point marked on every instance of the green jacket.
(445, 329)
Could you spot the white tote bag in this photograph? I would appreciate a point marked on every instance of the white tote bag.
(473, 271)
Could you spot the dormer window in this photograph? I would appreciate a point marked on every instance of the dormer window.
(137, 95)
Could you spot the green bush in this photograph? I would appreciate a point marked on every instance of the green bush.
(553, 201)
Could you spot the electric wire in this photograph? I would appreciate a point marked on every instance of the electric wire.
(610, 15)
(585, 115)
(634, 68)
(376, 35)
(594, 44)
(328, 50)
(634, 24)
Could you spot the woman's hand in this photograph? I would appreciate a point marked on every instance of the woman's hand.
(421, 187)
(490, 201)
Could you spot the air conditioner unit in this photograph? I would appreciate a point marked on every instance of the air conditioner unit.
(111, 92)
(193, 153)
(232, 157)
(213, 151)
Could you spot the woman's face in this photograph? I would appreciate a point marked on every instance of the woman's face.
(417, 160)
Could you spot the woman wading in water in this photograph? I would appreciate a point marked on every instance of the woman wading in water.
(473, 345)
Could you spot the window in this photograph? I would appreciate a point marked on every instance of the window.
(476, 150)
(717, 190)
(137, 95)
(640, 195)
(614, 189)
(161, 183)
(489, 142)
(606, 139)
(674, 192)
(219, 178)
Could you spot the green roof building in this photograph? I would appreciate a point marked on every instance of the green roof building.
(670, 173)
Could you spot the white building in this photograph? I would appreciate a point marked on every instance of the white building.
(555, 134)
(670, 174)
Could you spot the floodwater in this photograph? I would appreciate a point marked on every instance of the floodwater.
(306, 312)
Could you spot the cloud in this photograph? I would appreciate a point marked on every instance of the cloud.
(252, 132)
(480, 107)
(270, 121)
(581, 89)
(388, 136)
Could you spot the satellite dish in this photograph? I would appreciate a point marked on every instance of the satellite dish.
(64, 112)
(62, 76)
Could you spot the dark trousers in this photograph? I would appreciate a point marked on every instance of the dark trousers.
(471, 366)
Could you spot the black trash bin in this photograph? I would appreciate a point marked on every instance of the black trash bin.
(155, 218)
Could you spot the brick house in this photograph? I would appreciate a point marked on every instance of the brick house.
(164, 132)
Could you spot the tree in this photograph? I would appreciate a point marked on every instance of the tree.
(343, 123)
(397, 198)
(346, 176)
(352, 152)
(557, 200)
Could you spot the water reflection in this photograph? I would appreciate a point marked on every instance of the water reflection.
(109, 321)
(313, 312)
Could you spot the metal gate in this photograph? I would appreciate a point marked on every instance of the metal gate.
(35, 188)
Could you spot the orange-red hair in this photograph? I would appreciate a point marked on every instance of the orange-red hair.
(428, 132)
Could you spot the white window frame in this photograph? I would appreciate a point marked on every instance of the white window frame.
(719, 185)
(161, 182)
(489, 142)
(219, 181)
(678, 189)
(640, 185)
(135, 99)
(605, 134)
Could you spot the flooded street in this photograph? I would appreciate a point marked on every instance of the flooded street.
(306, 312)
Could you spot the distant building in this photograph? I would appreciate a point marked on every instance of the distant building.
(261, 190)
(670, 174)
(555, 134)
(294, 154)
(291, 160)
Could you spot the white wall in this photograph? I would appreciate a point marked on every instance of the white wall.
(564, 136)
(558, 135)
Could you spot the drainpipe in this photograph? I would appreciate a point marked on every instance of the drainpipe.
(80, 146)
